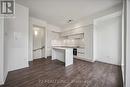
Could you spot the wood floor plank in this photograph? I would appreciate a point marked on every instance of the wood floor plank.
(47, 73)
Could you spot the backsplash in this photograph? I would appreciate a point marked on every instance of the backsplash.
(68, 42)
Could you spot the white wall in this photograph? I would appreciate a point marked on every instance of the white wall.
(16, 40)
(107, 39)
(128, 46)
(1, 51)
(123, 41)
(52, 34)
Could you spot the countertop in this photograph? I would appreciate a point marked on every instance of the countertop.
(67, 47)
(61, 48)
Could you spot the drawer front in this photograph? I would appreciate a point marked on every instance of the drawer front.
(80, 50)
(81, 54)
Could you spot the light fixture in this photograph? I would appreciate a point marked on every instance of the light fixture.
(36, 32)
(69, 21)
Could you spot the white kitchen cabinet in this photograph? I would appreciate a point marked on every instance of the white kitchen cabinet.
(81, 50)
(63, 54)
(87, 32)
(86, 53)
(80, 53)
(73, 32)
(78, 31)
(76, 36)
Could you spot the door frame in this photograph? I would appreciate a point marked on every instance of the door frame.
(31, 40)
(41, 27)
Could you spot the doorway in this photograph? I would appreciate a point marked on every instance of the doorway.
(38, 42)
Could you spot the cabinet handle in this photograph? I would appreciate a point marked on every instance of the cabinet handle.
(81, 52)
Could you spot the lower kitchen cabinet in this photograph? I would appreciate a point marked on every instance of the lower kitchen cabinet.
(81, 52)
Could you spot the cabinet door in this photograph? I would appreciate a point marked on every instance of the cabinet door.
(78, 31)
(81, 50)
(77, 36)
(81, 53)
(73, 32)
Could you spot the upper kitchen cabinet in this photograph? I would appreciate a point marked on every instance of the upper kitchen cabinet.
(76, 36)
(72, 32)
(84, 33)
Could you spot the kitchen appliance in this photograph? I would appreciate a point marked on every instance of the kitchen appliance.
(75, 51)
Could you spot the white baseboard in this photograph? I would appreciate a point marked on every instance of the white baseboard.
(117, 64)
(122, 69)
(1, 83)
(89, 60)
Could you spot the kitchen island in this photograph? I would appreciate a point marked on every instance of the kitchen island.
(64, 54)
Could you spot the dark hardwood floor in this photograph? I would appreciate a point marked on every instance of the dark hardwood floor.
(48, 73)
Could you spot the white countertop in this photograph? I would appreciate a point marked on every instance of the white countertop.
(62, 48)
(67, 47)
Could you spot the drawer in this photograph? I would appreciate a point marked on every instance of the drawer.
(80, 54)
(80, 50)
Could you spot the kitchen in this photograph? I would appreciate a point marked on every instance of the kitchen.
(84, 39)
(80, 40)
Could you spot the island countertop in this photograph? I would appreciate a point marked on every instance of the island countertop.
(67, 47)
(64, 54)
(62, 48)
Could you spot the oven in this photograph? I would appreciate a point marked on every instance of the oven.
(75, 51)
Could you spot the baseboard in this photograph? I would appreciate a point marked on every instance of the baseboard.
(84, 59)
(1, 84)
(49, 56)
(108, 63)
(4, 79)
(122, 69)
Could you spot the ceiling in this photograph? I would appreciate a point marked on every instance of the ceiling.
(58, 12)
